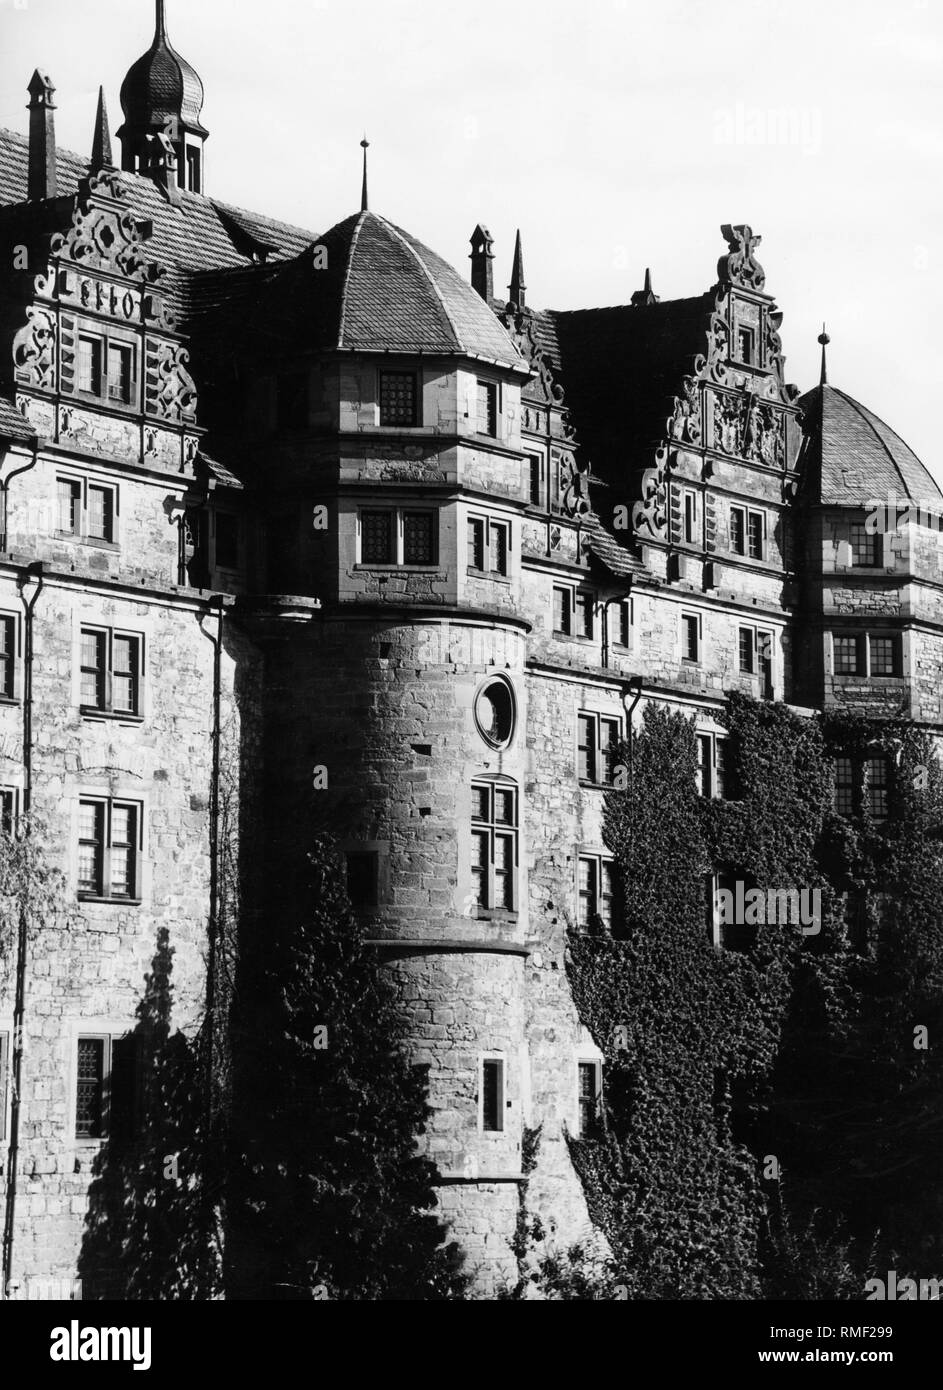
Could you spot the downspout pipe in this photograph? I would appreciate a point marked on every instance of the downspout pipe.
(216, 608)
(31, 576)
(635, 690)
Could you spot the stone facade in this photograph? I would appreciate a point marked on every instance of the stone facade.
(434, 621)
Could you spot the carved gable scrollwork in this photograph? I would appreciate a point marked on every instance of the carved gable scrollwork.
(650, 514)
(104, 236)
(521, 328)
(740, 266)
(169, 389)
(34, 350)
(685, 423)
(574, 487)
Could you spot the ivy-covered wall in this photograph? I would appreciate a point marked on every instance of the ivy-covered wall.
(772, 1115)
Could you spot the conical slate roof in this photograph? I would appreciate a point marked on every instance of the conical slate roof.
(855, 457)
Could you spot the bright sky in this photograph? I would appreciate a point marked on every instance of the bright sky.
(616, 134)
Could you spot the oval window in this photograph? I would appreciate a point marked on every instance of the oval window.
(495, 713)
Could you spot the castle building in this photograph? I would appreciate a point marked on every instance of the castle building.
(311, 519)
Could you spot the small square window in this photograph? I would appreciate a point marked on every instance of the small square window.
(419, 538)
(589, 1098)
(848, 660)
(535, 480)
(738, 530)
(586, 607)
(90, 365)
(377, 538)
(844, 786)
(866, 547)
(70, 506)
(476, 543)
(7, 656)
(562, 611)
(884, 656)
(398, 399)
(120, 372)
(690, 638)
(101, 513)
(487, 408)
(492, 1095)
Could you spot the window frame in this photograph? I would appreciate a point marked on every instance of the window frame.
(107, 707)
(111, 1035)
(863, 638)
(397, 513)
(740, 544)
(107, 846)
(499, 1061)
(686, 616)
(625, 623)
(586, 1131)
(713, 771)
(10, 660)
(105, 340)
(490, 527)
(492, 390)
(485, 877)
(600, 752)
(568, 593)
(875, 545)
(596, 861)
(532, 457)
(81, 532)
(402, 372)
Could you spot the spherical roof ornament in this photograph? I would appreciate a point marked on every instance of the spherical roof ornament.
(824, 339)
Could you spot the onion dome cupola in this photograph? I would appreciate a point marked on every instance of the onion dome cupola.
(162, 96)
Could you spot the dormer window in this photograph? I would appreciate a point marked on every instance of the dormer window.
(105, 368)
(398, 400)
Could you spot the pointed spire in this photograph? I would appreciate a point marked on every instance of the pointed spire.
(646, 295)
(364, 202)
(161, 27)
(824, 339)
(101, 140)
(517, 287)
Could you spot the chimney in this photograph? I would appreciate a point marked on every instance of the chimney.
(482, 275)
(41, 180)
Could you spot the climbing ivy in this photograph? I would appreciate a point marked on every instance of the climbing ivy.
(723, 1168)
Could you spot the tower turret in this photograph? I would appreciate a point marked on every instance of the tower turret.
(163, 95)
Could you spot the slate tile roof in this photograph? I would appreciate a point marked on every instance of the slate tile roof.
(12, 423)
(853, 456)
(621, 369)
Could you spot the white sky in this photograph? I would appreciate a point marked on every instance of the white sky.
(616, 134)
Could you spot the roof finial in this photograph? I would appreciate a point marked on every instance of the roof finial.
(364, 205)
(824, 339)
(646, 295)
(101, 139)
(161, 30)
(517, 288)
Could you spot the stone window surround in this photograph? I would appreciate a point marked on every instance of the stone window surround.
(109, 1028)
(70, 474)
(16, 659)
(597, 716)
(123, 795)
(493, 782)
(106, 711)
(113, 336)
(863, 637)
(595, 857)
(582, 1062)
(683, 617)
(620, 605)
(84, 615)
(577, 593)
(502, 1101)
(717, 738)
(491, 523)
(746, 513)
(398, 509)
